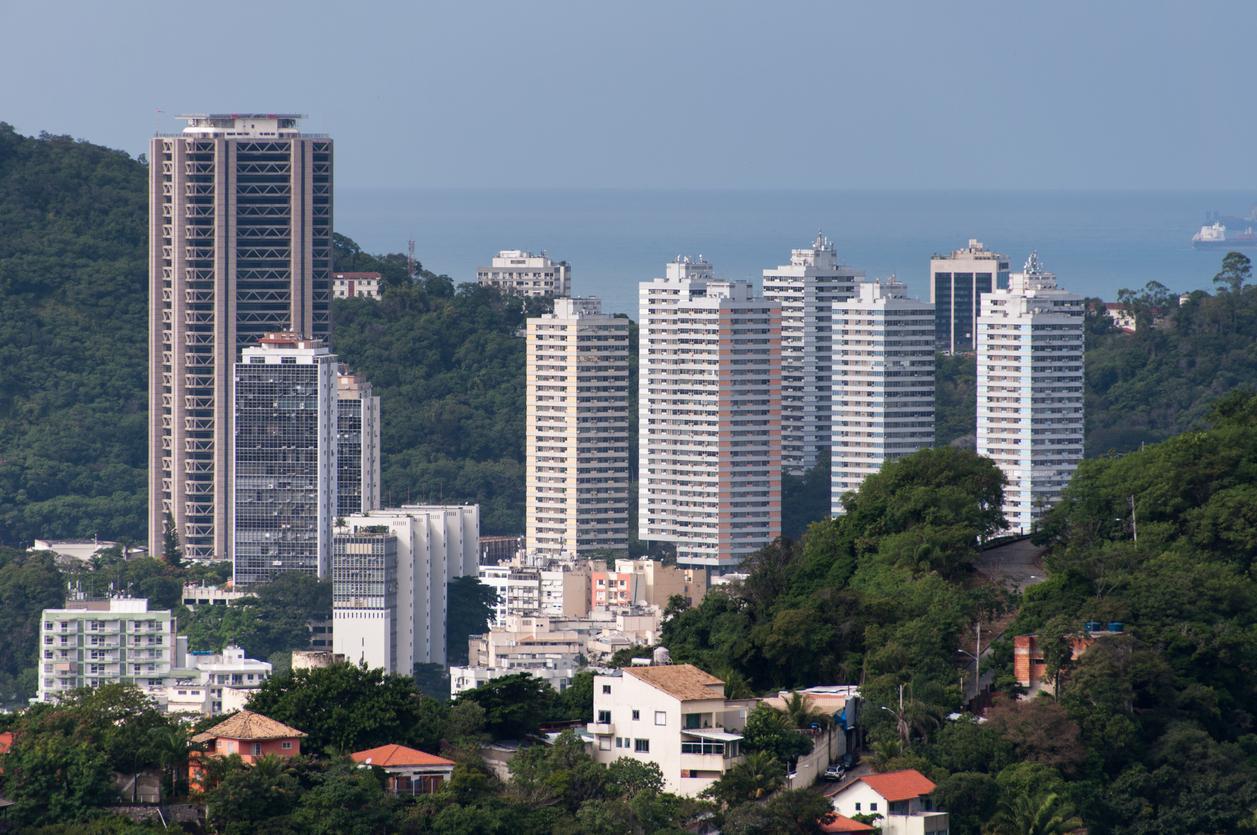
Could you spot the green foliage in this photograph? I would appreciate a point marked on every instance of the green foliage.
(29, 583)
(805, 498)
(770, 730)
(449, 369)
(73, 340)
(956, 400)
(273, 620)
(470, 606)
(514, 706)
(343, 707)
(795, 811)
(60, 768)
(758, 775)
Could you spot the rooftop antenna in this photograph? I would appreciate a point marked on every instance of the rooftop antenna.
(410, 259)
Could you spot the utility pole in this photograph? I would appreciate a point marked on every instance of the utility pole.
(410, 260)
(1134, 524)
(977, 661)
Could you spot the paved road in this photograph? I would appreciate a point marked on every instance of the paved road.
(1016, 565)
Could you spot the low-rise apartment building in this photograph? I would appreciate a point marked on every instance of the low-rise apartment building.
(645, 582)
(213, 682)
(675, 716)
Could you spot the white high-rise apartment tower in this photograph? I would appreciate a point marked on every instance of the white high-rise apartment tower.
(240, 245)
(709, 416)
(284, 495)
(883, 390)
(1030, 389)
(577, 432)
(357, 444)
(806, 289)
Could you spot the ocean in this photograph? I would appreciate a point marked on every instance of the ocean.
(1096, 242)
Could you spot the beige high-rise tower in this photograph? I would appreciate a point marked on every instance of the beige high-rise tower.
(240, 245)
(577, 425)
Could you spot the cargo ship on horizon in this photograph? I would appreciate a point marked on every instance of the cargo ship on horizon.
(1215, 236)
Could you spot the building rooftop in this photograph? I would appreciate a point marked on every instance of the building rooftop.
(682, 681)
(842, 823)
(387, 756)
(248, 725)
(899, 785)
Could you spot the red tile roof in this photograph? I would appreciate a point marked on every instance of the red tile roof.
(397, 755)
(899, 785)
(841, 823)
(248, 725)
(6, 742)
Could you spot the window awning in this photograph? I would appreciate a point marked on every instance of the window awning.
(717, 736)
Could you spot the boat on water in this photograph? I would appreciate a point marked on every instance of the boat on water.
(1215, 236)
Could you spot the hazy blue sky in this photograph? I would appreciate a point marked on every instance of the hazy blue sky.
(672, 94)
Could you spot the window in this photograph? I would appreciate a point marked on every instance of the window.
(637, 714)
(257, 748)
(641, 746)
(857, 806)
(604, 717)
(661, 717)
(873, 806)
(604, 744)
(287, 746)
(606, 689)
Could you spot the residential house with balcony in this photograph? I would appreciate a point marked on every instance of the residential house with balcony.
(676, 716)
(410, 772)
(902, 798)
(248, 735)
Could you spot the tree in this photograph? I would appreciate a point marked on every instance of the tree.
(170, 550)
(343, 707)
(1236, 270)
(255, 797)
(470, 606)
(773, 732)
(803, 714)
(1044, 813)
(758, 775)
(514, 705)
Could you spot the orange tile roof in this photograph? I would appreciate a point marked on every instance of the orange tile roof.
(6, 742)
(842, 823)
(682, 681)
(899, 785)
(248, 725)
(397, 755)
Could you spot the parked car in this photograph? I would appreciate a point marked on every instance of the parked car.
(834, 773)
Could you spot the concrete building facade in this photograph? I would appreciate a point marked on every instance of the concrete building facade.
(807, 289)
(357, 444)
(93, 642)
(390, 596)
(240, 245)
(674, 715)
(709, 416)
(1030, 389)
(284, 495)
(957, 284)
(356, 286)
(577, 432)
(521, 273)
(883, 389)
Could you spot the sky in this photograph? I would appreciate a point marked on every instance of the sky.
(1121, 94)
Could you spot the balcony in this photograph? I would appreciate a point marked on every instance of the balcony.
(601, 728)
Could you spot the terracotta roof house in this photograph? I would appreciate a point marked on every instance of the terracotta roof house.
(902, 798)
(841, 823)
(409, 771)
(247, 734)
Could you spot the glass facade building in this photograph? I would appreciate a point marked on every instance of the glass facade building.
(957, 284)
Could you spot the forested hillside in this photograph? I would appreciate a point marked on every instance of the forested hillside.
(73, 339)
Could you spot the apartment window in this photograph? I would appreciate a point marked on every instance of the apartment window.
(637, 714)
(661, 717)
(641, 746)
(604, 717)
(606, 689)
(604, 744)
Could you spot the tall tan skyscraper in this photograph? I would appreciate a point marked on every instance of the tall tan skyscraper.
(577, 425)
(708, 416)
(240, 245)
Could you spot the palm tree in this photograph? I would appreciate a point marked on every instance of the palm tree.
(760, 774)
(170, 745)
(803, 714)
(1045, 813)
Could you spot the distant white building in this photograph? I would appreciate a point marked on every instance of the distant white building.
(807, 289)
(78, 549)
(357, 444)
(545, 589)
(1030, 390)
(709, 416)
(673, 715)
(883, 390)
(389, 576)
(213, 683)
(903, 799)
(521, 273)
(93, 642)
(356, 286)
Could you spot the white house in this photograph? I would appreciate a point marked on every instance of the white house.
(902, 798)
(676, 716)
